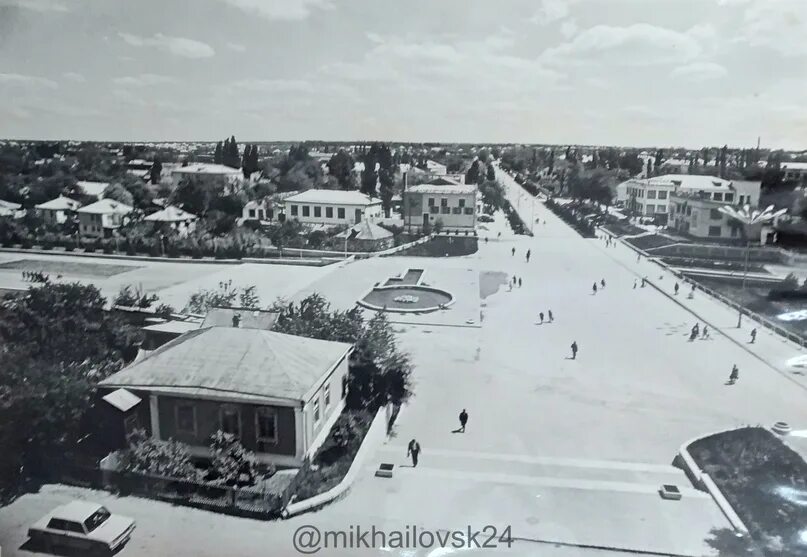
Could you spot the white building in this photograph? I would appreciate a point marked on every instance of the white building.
(267, 209)
(455, 205)
(57, 210)
(228, 180)
(794, 171)
(174, 217)
(332, 207)
(102, 217)
(697, 212)
(674, 166)
(9, 209)
(649, 197)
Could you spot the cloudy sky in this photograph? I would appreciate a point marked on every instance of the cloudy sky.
(623, 72)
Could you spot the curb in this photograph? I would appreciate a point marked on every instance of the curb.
(606, 548)
(705, 482)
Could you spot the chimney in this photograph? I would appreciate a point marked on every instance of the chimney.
(236, 320)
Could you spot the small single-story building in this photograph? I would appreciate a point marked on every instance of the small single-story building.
(102, 218)
(367, 236)
(267, 209)
(454, 205)
(175, 218)
(332, 207)
(9, 209)
(279, 394)
(57, 210)
(794, 171)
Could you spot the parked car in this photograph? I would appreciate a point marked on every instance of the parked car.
(484, 218)
(82, 526)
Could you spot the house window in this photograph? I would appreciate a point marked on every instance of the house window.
(434, 209)
(729, 197)
(431, 202)
(185, 418)
(661, 208)
(306, 211)
(651, 209)
(469, 210)
(651, 194)
(230, 419)
(265, 427)
(718, 196)
(327, 395)
(252, 213)
(260, 214)
(462, 202)
(443, 202)
(456, 210)
(294, 210)
(662, 195)
(445, 210)
(714, 214)
(714, 231)
(340, 213)
(316, 411)
(689, 211)
(328, 212)
(734, 231)
(318, 211)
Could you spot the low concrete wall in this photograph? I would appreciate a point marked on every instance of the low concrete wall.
(702, 481)
(375, 435)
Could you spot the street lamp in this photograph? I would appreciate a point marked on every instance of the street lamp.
(749, 217)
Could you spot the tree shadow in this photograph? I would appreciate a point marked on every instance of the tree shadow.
(728, 544)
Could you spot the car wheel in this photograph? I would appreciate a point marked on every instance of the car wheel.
(101, 550)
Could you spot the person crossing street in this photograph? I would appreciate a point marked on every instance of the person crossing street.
(463, 420)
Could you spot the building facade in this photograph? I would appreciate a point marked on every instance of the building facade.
(332, 207)
(697, 213)
(56, 211)
(453, 205)
(102, 218)
(794, 172)
(224, 178)
(650, 197)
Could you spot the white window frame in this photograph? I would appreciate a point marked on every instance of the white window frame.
(326, 395)
(315, 410)
(192, 406)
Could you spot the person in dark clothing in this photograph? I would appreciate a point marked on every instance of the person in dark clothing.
(602, 283)
(486, 239)
(634, 284)
(463, 420)
(594, 288)
(644, 281)
(753, 336)
(549, 314)
(519, 282)
(705, 331)
(528, 256)
(513, 251)
(574, 350)
(735, 375)
(541, 317)
(413, 451)
(676, 289)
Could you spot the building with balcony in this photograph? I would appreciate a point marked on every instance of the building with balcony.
(454, 205)
(102, 218)
(650, 197)
(697, 213)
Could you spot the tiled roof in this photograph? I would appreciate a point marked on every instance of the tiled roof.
(332, 197)
(106, 207)
(233, 361)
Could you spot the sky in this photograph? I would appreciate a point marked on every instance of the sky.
(603, 72)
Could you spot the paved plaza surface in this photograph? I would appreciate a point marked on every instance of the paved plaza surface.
(563, 451)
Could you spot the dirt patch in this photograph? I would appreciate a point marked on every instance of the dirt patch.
(490, 281)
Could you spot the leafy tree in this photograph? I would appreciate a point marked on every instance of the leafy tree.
(193, 195)
(492, 195)
(386, 178)
(369, 176)
(200, 302)
(491, 173)
(340, 167)
(231, 463)
(218, 156)
(156, 171)
(472, 176)
(169, 459)
(118, 193)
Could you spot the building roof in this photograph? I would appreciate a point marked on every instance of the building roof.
(690, 182)
(122, 399)
(366, 230)
(61, 203)
(247, 318)
(333, 197)
(444, 181)
(208, 168)
(106, 207)
(76, 510)
(459, 189)
(793, 166)
(95, 189)
(9, 205)
(173, 327)
(171, 214)
(238, 362)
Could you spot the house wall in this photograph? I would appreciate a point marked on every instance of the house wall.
(208, 422)
(91, 224)
(52, 216)
(317, 431)
(417, 204)
(369, 212)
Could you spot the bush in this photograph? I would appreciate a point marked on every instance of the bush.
(69, 244)
(48, 241)
(90, 246)
(159, 458)
(108, 246)
(316, 238)
(27, 242)
(345, 437)
(231, 463)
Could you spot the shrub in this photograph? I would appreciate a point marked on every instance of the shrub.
(231, 463)
(27, 242)
(90, 245)
(48, 241)
(108, 246)
(316, 238)
(160, 458)
(69, 244)
(790, 282)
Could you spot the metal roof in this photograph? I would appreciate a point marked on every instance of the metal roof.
(234, 362)
(122, 399)
(61, 203)
(106, 207)
(171, 214)
(332, 197)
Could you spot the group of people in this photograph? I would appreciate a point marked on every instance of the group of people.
(594, 288)
(693, 334)
(550, 317)
(35, 276)
(413, 449)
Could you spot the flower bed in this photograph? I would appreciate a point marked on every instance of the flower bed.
(650, 241)
(766, 483)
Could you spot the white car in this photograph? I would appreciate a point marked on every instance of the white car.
(83, 526)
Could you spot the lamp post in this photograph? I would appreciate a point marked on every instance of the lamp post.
(749, 217)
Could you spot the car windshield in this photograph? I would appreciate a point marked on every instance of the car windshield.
(96, 519)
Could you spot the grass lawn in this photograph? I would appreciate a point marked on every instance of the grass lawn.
(68, 268)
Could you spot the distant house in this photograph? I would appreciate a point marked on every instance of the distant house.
(139, 168)
(455, 205)
(102, 218)
(9, 209)
(436, 168)
(267, 209)
(696, 212)
(332, 207)
(794, 171)
(674, 166)
(228, 180)
(93, 189)
(279, 394)
(649, 197)
(367, 236)
(57, 210)
(174, 217)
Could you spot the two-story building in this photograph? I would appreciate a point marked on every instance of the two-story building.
(279, 394)
(56, 211)
(332, 207)
(226, 179)
(102, 218)
(794, 172)
(697, 212)
(452, 204)
(649, 197)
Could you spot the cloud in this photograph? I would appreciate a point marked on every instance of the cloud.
(236, 47)
(639, 44)
(28, 81)
(551, 11)
(281, 9)
(143, 80)
(179, 46)
(73, 76)
(780, 25)
(568, 28)
(272, 85)
(699, 71)
(36, 5)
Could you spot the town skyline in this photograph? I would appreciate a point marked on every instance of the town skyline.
(702, 72)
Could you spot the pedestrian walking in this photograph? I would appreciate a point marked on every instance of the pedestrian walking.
(486, 239)
(549, 314)
(463, 420)
(634, 284)
(413, 451)
(594, 288)
(519, 282)
(753, 335)
(513, 252)
(499, 236)
(528, 256)
(705, 333)
(602, 283)
(644, 281)
(541, 317)
(638, 257)
(676, 289)
(735, 375)
(574, 350)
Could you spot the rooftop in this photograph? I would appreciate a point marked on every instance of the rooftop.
(247, 318)
(95, 189)
(244, 363)
(171, 214)
(75, 510)
(208, 168)
(793, 166)
(106, 207)
(366, 230)
(458, 189)
(333, 197)
(61, 203)
(444, 181)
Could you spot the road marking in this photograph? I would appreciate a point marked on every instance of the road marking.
(548, 461)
